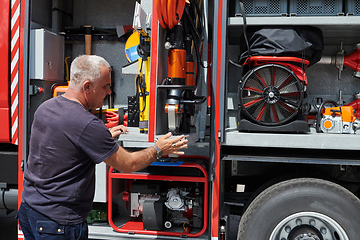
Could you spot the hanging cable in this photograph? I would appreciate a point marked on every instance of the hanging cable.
(141, 88)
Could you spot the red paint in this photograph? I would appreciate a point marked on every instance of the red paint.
(215, 211)
(153, 74)
(353, 60)
(4, 72)
(356, 105)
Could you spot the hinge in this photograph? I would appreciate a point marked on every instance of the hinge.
(22, 165)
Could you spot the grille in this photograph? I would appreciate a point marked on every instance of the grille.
(263, 7)
(314, 7)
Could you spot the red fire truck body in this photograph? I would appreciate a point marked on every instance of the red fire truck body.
(250, 97)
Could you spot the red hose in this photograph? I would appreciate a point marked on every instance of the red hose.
(169, 12)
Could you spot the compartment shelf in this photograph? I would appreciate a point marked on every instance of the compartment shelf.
(304, 20)
(311, 140)
(335, 28)
(135, 139)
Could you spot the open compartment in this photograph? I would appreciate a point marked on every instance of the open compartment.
(334, 78)
(168, 198)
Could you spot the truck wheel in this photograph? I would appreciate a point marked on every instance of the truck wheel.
(302, 209)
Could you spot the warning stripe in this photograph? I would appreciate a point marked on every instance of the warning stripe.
(20, 233)
(15, 33)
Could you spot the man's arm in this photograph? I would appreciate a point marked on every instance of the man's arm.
(128, 162)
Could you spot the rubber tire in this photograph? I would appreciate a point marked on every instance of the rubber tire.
(283, 199)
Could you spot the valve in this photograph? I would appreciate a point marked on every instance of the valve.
(33, 90)
(339, 60)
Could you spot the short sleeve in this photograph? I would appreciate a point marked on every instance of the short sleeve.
(96, 141)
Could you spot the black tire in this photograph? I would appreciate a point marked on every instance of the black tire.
(329, 205)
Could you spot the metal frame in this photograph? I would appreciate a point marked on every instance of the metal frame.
(136, 227)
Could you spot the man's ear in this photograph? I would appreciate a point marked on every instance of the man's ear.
(86, 86)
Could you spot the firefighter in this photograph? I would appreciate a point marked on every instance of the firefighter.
(66, 143)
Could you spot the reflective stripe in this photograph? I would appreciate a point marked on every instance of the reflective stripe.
(15, 29)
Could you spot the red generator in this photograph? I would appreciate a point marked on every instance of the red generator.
(149, 202)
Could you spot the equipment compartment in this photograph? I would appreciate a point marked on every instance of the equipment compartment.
(149, 202)
(327, 81)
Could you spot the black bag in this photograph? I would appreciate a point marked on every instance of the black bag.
(305, 42)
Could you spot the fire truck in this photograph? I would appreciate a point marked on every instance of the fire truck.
(266, 92)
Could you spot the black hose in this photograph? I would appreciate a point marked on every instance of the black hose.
(244, 26)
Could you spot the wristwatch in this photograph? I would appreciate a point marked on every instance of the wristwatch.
(159, 152)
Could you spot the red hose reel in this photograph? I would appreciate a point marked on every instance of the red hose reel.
(169, 12)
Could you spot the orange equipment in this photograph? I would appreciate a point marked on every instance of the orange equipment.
(338, 120)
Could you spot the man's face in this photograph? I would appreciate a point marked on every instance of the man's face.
(100, 89)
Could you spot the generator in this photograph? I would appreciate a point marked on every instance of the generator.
(161, 210)
(168, 198)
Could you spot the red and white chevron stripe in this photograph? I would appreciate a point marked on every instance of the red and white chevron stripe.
(15, 33)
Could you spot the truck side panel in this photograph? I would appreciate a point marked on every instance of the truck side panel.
(4, 72)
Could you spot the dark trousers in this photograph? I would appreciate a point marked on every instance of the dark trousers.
(36, 226)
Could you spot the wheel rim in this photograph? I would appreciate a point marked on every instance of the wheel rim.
(308, 226)
(271, 94)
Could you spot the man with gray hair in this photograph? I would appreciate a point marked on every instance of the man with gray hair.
(65, 144)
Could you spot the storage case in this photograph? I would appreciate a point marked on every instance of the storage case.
(316, 7)
(261, 7)
(46, 55)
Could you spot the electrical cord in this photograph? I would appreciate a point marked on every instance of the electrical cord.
(195, 32)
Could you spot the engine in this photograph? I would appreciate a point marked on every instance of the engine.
(339, 120)
(164, 207)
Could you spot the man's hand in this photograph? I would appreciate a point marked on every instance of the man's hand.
(171, 146)
(117, 130)
(128, 162)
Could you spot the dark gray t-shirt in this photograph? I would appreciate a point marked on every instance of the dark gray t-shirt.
(65, 144)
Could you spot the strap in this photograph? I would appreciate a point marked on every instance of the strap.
(244, 25)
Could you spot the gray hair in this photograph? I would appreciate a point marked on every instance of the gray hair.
(86, 67)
